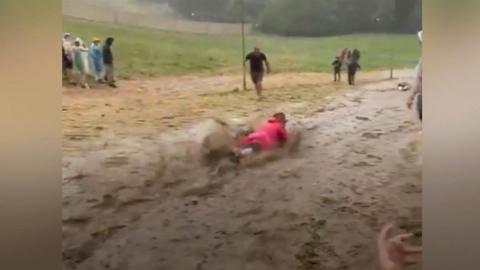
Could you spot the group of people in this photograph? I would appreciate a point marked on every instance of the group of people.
(349, 58)
(259, 65)
(80, 62)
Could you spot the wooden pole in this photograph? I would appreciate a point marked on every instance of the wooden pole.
(391, 62)
(243, 47)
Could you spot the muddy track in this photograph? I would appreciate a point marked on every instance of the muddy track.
(320, 208)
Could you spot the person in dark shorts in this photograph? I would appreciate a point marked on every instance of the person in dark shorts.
(353, 66)
(256, 59)
(337, 66)
(108, 62)
(352, 70)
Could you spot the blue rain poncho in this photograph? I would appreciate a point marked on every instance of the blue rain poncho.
(95, 55)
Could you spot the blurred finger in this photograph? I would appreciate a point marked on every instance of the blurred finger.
(387, 228)
(385, 232)
(412, 249)
(402, 237)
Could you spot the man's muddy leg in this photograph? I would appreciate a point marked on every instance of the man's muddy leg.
(259, 84)
(258, 87)
(254, 79)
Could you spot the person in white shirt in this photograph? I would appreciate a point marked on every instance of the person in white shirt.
(417, 89)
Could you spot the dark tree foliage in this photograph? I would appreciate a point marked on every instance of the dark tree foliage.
(308, 17)
(218, 10)
(333, 17)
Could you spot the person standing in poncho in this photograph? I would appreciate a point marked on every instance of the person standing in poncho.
(95, 57)
(79, 63)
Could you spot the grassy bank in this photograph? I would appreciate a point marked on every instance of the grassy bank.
(147, 52)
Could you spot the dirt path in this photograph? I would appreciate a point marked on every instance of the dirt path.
(319, 209)
(143, 108)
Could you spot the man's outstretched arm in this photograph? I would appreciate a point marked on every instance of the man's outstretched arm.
(268, 66)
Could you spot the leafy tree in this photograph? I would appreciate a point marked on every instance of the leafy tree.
(217, 10)
(330, 17)
(308, 17)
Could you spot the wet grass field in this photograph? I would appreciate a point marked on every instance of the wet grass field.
(142, 52)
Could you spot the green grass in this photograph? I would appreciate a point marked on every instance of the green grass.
(147, 52)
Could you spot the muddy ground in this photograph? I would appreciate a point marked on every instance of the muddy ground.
(136, 197)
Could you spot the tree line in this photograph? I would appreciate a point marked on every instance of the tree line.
(308, 17)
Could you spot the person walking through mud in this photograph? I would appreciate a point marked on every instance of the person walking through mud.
(269, 135)
(353, 66)
(352, 71)
(108, 62)
(337, 66)
(256, 59)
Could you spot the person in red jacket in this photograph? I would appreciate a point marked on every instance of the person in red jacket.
(269, 135)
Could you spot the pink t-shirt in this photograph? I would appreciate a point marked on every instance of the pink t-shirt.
(268, 134)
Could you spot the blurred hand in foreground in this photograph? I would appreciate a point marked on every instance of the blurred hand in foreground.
(393, 250)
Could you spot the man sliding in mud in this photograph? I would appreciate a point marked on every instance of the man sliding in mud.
(268, 136)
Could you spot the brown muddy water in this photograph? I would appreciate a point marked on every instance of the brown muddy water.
(137, 196)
